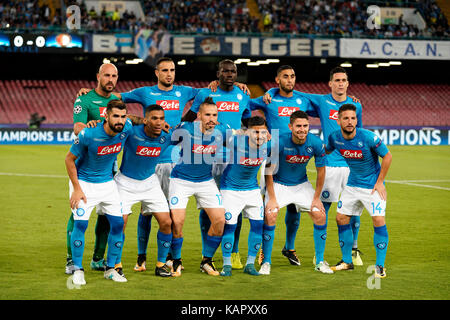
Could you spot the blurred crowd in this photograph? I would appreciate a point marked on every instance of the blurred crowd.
(313, 17)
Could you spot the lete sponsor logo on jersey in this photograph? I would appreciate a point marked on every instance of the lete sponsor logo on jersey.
(102, 112)
(297, 159)
(169, 104)
(204, 149)
(286, 111)
(352, 154)
(227, 106)
(148, 151)
(333, 114)
(251, 162)
(105, 150)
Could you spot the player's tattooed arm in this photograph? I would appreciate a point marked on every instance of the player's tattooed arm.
(379, 185)
(135, 119)
(190, 116)
(77, 194)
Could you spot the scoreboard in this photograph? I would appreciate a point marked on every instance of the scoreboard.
(41, 42)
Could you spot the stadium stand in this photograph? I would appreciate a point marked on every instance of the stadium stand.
(394, 104)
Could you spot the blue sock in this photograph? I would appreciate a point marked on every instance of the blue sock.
(267, 244)
(177, 243)
(320, 237)
(327, 206)
(227, 243)
(380, 241)
(164, 242)
(254, 239)
(355, 222)
(346, 241)
(77, 242)
(205, 223)
(212, 243)
(237, 234)
(143, 232)
(119, 257)
(115, 239)
(292, 220)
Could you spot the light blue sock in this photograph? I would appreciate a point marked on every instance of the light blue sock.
(267, 244)
(177, 243)
(119, 257)
(380, 241)
(320, 237)
(205, 224)
(115, 239)
(254, 239)
(77, 242)
(355, 222)
(143, 232)
(292, 221)
(237, 234)
(227, 243)
(164, 242)
(346, 242)
(212, 243)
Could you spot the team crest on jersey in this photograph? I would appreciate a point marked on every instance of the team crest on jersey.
(122, 135)
(299, 101)
(178, 93)
(309, 150)
(162, 140)
(360, 144)
(239, 96)
(77, 109)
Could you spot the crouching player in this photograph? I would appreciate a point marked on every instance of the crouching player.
(137, 181)
(365, 186)
(192, 175)
(241, 192)
(289, 184)
(88, 165)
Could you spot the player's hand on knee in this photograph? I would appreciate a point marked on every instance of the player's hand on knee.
(272, 208)
(317, 207)
(83, 91)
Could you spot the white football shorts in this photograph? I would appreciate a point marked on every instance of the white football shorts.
(335, 182)
(206, 193)
(248, 201)
(163, 171)
(103, 195)
(353, 200)
(148, 192)
(301, 195)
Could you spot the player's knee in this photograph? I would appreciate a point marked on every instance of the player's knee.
(165, 224)
(342, 219)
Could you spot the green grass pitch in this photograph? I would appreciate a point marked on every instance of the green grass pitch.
(35, 210)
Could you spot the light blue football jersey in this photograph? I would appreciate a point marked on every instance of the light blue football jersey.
(231, 105)
(278, 111)
(242, 171)
(293, 159)
(172, 101)
(198, 150)
(97, 151)
(141, 153)
(361, 154)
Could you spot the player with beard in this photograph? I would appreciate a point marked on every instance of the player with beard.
(89, 164)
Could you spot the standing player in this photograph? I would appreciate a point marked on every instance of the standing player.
(326, 107)
(92, 106)
(365, 187)
(290, 185)
(89, 164)
(285, 101)
(137, 181)
(232, 105)
(200, 141)
(240, 191)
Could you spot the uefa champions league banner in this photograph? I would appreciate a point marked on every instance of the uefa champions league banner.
(395, 49)
(390, 136)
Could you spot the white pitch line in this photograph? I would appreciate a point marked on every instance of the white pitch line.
(32, 175)
(421, 185)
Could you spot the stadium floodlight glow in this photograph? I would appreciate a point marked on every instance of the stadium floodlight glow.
(263, 62)
(181, 62)
(346, 65)
(106, 60)
(242, 60)
(395, 63)
(384, 64)
(253, 64)
(371, 65)
(273, 60)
